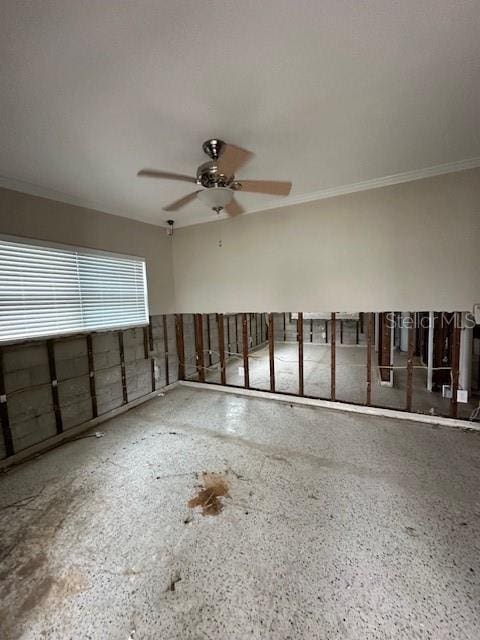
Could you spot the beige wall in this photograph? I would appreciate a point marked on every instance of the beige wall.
(34, 217)
(413, 246)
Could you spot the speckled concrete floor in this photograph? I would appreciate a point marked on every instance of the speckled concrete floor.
(337, 526)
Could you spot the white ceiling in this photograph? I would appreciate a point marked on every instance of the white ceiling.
(327, 93)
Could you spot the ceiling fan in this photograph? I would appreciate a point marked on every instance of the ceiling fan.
(217, 176)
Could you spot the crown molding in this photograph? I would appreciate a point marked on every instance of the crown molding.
(322, 194)
(59, 196)
(365, 185)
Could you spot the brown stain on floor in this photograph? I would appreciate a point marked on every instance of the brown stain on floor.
(215, 486)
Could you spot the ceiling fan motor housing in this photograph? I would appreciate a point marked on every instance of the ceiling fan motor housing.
(209, 175)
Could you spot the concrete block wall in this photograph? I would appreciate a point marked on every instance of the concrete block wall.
(28, 384)
(315, 331)
(29, 394)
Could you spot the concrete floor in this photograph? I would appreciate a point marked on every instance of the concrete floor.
(351, 377)
(336, 526)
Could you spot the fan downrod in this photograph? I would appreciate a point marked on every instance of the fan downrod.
(213, 148)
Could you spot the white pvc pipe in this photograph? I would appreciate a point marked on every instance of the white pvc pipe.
(466, 347)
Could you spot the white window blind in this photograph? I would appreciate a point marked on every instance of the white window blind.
(51, 290)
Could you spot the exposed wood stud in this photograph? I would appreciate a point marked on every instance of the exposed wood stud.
(333, 340)
(300, 352)
(245, 341)
(54, 382)
(4, 419)
(165, 350)
(341, 331)
(236, 333)
(384, 347)
(145, 343)
(411, 351)
(271, 352)
(357, 332)
(199, 355)
(326, 331)
(91, 374)
(455, 364)
(122, 366)
(209, 341)
(229, 346)
(221, 346)
(284, 327)
(361, 317)
(369, 358)
(180, 345)
(311, 329)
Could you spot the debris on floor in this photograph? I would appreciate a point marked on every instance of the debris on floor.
(215, 486)
(173, 581)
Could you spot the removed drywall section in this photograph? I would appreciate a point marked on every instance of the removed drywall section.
(408, 246)
(42, 219)
(85, 374)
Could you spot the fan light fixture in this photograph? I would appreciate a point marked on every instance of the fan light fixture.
(216, 197)
(217, 181)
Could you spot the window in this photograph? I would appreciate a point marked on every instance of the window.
(47, 290)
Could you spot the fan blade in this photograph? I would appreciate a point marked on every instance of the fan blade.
(153, 173)
(232, 158)
(181, 202)
(274, 187)
(234, 208)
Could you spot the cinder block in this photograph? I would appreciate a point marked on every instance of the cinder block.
(73, 390)
(69, 349)
(25, 356)
(15, 380)
(30, 403)
(72, 367)
(105, 342)
(109, 399)
(28, 432)
(76, 413)
(107, 377)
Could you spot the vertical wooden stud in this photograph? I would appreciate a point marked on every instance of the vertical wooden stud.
(122, 366)
(165, 351)
(209, 341)
(4, 419)
(369, 357)
(91, 375)
(229, 345)
(245, 351)
(54, 382)
(236, 333)
(221, 347)
(180, 345)
(455, 364)
(333, 340)
(199, 353)
(300, 352)
(411, 350)
(271, 352)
